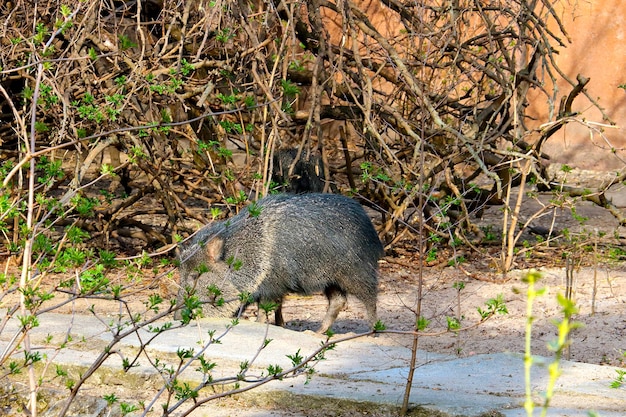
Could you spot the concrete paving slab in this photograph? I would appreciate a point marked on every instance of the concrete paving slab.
(363, 369)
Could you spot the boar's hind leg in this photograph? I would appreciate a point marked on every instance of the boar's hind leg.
(336, 302)
(278, 314)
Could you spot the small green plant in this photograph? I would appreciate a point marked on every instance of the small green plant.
(372, 173)
(289, 88)
(136, 153)
(75, 234)
(110, 399)
(126, 408)
(48, 96)
(228, 99)
(249, 101)
(234, 263)
(214, 146)
(107, 259)
(267, 307)
(93, 280)
(493, 306)
(615, 253)
(457, 260)
(186, 68)
(296, 65)
(231, 127)
(431, 255)
(84, 205)
(580, 219)
(126, 43)
(275, 371)
(41, 32)
(254, 209)
(453, 323)
(225, 35)
(558, 346)
(49, 170)
(237, 199)
(215, 212)
(489, 234)
(620, 379)
(422, 323)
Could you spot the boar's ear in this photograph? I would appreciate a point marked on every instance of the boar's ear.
(213, 249)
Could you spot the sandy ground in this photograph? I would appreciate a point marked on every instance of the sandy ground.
(601, 339)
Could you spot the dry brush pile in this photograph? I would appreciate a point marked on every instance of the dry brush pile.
(137, 115)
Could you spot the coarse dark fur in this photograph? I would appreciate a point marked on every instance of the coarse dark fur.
(306, 175)
(300, 244)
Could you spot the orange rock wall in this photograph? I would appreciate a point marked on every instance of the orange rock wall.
(597, 29)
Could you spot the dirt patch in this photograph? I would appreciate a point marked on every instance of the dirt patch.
(602, 339)
(287, 404)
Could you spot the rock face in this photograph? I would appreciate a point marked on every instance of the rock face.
(595, 181)
(581, 178)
